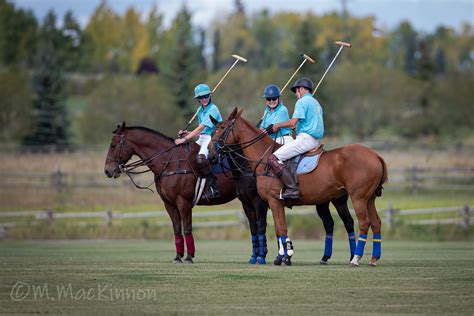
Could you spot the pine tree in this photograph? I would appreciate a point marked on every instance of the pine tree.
(50, 115)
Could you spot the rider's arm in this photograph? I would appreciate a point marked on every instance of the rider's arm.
(291, 123)
(195, 132)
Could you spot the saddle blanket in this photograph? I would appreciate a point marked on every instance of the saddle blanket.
(307, 164)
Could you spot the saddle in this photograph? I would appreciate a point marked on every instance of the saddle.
(304, 163)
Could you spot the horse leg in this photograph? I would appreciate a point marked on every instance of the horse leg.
(285, 246)
(261, 207)
(252, 218)
(360, 206)
(328, 223)
(375, 225)
(173, 212)
(345, 215)
(185, 210)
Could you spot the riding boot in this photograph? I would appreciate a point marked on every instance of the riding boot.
(205, 171)
(291, 191)
(212, 191)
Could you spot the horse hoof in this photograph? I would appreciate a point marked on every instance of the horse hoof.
(177, 259)
(355, 261)
(372, 263)
(261, 260)
(253, 260)
(323, 262)
(287, 260)
(188, 259)
(278, 260)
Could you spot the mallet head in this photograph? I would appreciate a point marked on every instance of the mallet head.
(239, 58)
(343, 44)
(311, 60)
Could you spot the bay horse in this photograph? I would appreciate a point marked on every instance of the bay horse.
(175, 179)
(352, 170)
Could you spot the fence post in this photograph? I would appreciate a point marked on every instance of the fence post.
(49, 216)
(108, 218)
(57, 180)
(465, 215)
(414, 178)
(389, 214)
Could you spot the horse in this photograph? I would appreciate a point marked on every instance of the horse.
(242, 167)
(175, 179)
(352, 170)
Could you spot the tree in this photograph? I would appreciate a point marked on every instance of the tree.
(17, 35)
(51, 121)
(182, 61)
(72, 43)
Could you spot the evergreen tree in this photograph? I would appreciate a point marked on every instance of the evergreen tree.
(216, 51)
(51, 121)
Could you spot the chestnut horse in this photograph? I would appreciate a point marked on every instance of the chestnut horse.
(352, 170)
(174, 168)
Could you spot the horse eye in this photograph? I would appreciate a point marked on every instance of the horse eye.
(112, 146)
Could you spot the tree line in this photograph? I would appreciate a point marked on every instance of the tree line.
(64, 82)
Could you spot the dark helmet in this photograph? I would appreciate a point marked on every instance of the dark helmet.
(271, 91)
(303, 82)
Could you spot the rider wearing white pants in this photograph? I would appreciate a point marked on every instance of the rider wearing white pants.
(202, 93)
(308, 120)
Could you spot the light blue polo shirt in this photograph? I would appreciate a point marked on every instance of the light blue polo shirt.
(280, 114)
(309, 113)
(204, 117)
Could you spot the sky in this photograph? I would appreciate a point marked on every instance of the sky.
(424, 15)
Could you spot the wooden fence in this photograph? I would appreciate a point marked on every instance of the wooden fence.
(414, 178)
(462, 216)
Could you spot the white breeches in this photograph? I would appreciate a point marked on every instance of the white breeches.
(204, 141)
(303, 143)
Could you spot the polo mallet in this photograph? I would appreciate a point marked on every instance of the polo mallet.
(306, 58)
(342, 45)
(237, 59)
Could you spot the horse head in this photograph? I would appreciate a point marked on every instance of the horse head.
(119, 152)
(223, 135)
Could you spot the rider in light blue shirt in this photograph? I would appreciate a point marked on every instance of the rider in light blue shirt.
(203, 94)
(204, 118)
(275, 112)
(309, 113)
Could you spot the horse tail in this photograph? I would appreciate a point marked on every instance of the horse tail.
(378, 191)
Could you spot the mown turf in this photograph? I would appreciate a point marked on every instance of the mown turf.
(412, 277)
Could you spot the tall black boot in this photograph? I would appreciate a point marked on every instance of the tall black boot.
(212, 191)
(205, 171)
(291, 191)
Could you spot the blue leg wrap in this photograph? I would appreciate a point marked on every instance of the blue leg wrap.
(253, 258)
(262, 249)
(377, 248)
(328, 246)
(352, 243)
(282, 251)
(361, 245)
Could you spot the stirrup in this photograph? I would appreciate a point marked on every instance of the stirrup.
(284, 196)
(211, 194)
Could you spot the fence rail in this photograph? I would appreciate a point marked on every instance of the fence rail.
(414, 178)
(459, 215)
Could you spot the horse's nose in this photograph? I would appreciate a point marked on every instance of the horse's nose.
(107, 173)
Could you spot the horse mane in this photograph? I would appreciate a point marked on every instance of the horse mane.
(149, 130)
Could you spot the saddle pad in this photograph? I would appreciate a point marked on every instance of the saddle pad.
(221, 167)
(307, 164)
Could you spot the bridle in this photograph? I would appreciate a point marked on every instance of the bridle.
(128, 168)
(233, 149)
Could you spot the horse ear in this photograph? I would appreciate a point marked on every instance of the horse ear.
(123, 124)
(213, 120)
(240, 113)
(233, 114)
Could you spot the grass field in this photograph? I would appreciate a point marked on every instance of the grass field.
(104, 276)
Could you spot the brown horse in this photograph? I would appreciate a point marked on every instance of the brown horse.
(174, 168)
(354, 170)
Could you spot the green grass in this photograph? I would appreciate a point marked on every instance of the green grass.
(412, 277)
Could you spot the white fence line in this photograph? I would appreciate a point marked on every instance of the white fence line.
(461, 215)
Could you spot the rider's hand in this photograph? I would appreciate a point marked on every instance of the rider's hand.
(180, 141)
(182, 133)
(269, 129)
